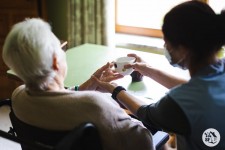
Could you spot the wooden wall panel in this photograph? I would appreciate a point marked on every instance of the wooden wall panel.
(11, 12)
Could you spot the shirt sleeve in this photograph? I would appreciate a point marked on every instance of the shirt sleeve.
(165, 114)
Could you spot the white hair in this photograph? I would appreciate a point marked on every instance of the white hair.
(29, 49)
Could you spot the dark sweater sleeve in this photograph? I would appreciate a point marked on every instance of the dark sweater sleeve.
(165, 114)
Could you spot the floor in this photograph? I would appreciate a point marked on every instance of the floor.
(4, 125)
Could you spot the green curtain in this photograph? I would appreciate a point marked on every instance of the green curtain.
(86, 22)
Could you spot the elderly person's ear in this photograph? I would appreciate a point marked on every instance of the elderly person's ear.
(55, 64)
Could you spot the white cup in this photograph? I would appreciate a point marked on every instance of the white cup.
(119, 65)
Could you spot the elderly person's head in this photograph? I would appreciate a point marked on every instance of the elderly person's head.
(34, 53)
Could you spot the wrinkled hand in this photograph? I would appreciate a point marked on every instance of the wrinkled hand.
(105, 74)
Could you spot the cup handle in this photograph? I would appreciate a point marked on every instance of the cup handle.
(115, 65)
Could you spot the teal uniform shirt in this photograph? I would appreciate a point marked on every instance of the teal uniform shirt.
(202, 100)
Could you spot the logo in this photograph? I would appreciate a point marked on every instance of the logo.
(211, 137)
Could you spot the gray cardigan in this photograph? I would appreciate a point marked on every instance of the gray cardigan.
(63, 110)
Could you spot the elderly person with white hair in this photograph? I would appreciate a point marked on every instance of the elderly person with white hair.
(33, 52)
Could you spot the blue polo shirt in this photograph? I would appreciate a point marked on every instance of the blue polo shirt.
(202, 100)
(194, 110)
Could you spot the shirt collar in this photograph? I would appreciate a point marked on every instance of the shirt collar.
(212, 70)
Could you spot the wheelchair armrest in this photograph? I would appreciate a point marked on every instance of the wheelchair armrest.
(5, 102)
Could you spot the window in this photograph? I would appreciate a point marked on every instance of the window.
(145, 17)
(217, 5)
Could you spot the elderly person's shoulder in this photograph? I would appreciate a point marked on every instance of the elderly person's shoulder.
(65, 95)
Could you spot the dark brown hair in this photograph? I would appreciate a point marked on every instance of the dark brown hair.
(195, 25)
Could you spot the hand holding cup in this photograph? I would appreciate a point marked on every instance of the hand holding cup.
(121, 62)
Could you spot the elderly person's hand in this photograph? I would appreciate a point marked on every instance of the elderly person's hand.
(105, 73)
